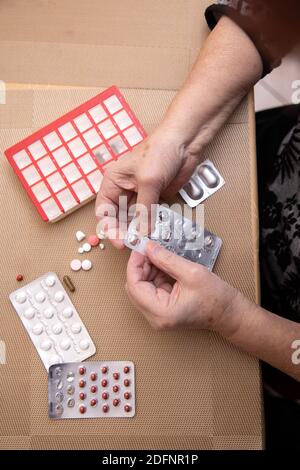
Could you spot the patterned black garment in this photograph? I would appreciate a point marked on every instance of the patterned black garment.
(280, 230)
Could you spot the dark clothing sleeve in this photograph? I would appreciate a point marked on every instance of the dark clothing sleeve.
(272, 25)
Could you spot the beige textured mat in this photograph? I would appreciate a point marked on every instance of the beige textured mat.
(193, 389)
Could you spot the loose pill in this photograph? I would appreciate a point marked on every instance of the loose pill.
(93, 240)
(86, 265)
(68, 282)
(19, 278)
(80, 250)
(80, 235)
(86, 247)
(75, 265)
(101, 246)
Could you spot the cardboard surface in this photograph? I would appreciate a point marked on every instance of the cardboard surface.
(194, 390)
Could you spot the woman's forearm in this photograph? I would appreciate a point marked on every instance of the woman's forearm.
(263, 334)
(226, 69)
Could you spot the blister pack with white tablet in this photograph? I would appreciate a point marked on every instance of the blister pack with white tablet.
(52, 321)
(179, 235)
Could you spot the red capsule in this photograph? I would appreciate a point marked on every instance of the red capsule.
(127, 395)
(82, 396)
(126, 369)
(93, 377)
(126, 382)
(116, 375)
(93, 402)
(104, 370)
(127, 408)
(105, 395)
(116, 402)
(104, 383)
(82, 409)
(93, 389)
(81, 370)
(115, 388)
(82, 383)
(19, 278)
(105, 408)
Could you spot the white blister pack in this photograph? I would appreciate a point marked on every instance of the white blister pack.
(92, 390)
(179, 235)
(52, 321)
(205, 181)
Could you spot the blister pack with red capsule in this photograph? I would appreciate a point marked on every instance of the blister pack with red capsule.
(92, 390)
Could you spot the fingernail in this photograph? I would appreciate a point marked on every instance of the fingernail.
(152, 247)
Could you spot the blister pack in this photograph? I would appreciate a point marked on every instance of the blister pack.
(52, 321)
(92, 390)
(205, 181)
(178, 235)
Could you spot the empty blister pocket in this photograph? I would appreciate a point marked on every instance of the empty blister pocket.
(205, 181)
(178, 235)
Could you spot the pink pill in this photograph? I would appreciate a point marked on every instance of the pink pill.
(93, 240)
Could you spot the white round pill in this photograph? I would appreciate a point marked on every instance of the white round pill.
(86, 247)
(29, 313)
(76, 328)
(75, 265)
(84, 344)
(80, 250)
(101, 246)
(57, 328)
(50, 281)
(49, 312)
(59, 296)
(54, 360)
(40, 297)
(38, 329)
(67, 312)
(46, 345)
(86, 265)
(65, 344)
(21, 297)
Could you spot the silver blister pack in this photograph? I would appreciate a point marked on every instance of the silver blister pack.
(100, 389)
(178, 235)
(205, 181)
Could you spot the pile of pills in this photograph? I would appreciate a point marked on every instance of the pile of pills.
(92, 390)
(92, 241)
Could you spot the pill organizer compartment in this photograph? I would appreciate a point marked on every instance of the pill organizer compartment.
(205, 181)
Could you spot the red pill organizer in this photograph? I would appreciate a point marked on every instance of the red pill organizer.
(61, 165)
(92, 390)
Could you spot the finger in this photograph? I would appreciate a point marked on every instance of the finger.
(175, 266)
(148, 194)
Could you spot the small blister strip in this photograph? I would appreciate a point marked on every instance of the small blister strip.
(178, 235)
(61, 166)
(52, 321)
(205, 181)
(92, 390)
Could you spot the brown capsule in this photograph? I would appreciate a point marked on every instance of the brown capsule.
(94, 389)
(116, 402)
(115, 388)
(104, 383)
(104, 370)
(82, 383)
(126, 382)
(126, 369)
(127, 408)
(105, 395)
(82, 396)
(82, 409)
(93, 402)
(68, 282)
(127, 395)
(116, 375)
(105, 408)
(19, 278)
(93, 377)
